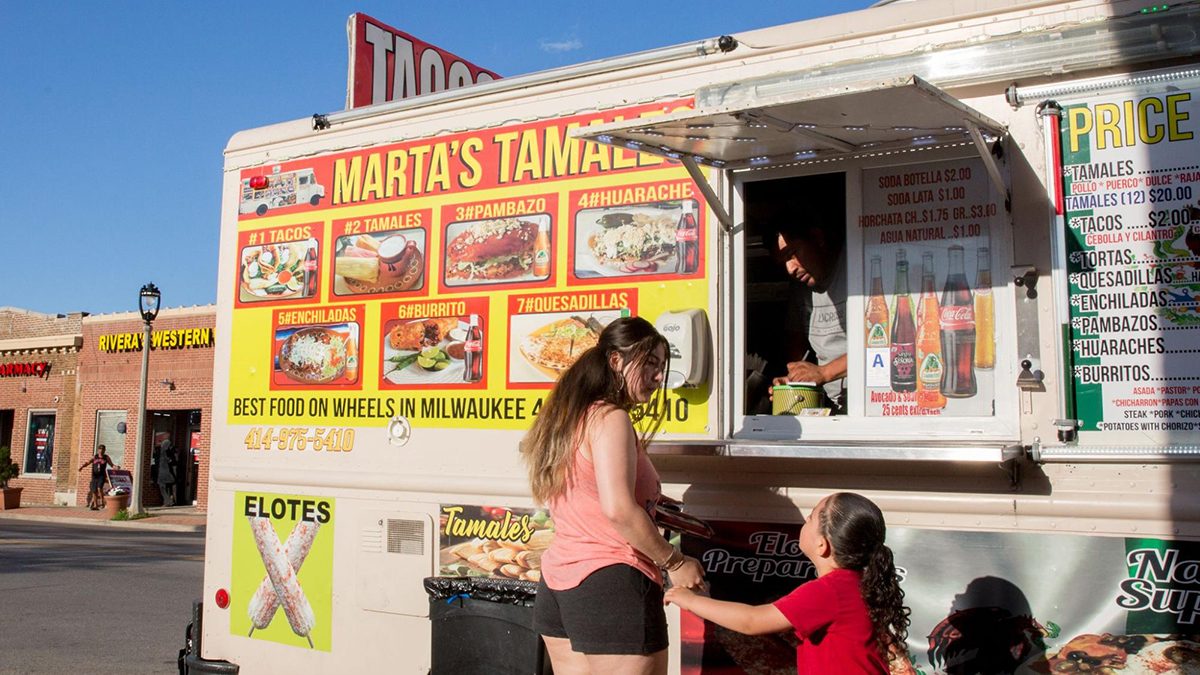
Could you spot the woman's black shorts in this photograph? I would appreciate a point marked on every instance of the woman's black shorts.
(615, 610)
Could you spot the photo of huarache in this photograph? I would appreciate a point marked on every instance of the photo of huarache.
(637, 239)
(498, 250)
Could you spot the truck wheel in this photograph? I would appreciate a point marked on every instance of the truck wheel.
(261, 210)
(316, 199)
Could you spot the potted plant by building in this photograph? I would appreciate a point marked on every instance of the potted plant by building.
(10, 498)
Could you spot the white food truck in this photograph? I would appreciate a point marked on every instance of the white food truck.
(1006, 196)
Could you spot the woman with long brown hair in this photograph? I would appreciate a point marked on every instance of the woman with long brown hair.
(600, 601)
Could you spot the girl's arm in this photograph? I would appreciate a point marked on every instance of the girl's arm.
(743, 618)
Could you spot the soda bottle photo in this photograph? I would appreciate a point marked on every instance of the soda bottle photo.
(929, 340)
(904, 332)
(352, 358)
(877, 309)
(687, 241)
(957, 328)
(541, 251)
(473, 351)
(985, 309)
(310, 270)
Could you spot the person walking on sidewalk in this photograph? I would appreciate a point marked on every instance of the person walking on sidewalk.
(100, 463)
(166, 472)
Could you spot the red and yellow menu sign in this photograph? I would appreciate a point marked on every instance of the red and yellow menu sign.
(452, 280)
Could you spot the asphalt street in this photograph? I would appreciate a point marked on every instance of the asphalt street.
(79, 599)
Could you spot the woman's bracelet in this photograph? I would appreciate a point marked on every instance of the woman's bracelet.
(673, 562)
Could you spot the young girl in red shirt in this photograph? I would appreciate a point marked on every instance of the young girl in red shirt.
(852, 618)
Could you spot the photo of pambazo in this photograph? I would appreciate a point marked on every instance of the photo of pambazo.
(498, 250)
(383, 262)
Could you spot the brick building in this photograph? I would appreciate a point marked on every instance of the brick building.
(178, 395)
(39, 357)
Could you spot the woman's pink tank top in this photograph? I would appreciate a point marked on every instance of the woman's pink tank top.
(584, 540)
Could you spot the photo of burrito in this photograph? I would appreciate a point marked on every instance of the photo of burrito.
(628, 240)
(498, 250)
(424, 351)
(480, 556)
(543, 346)
(383, 262)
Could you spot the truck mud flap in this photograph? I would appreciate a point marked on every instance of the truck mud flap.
(189, 660)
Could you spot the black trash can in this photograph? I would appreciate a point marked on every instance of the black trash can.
(484, 626)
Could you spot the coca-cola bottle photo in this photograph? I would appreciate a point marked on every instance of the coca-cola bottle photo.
(310, 270)
(958, 331)
(687, 241)
(904, 332)
(473, 351)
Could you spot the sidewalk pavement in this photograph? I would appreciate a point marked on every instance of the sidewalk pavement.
(170, 519)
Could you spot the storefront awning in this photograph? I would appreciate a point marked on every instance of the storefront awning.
(805, 126)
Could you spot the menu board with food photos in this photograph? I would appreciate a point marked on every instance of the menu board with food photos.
(451, 281)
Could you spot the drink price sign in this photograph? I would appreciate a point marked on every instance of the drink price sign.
(930, 319)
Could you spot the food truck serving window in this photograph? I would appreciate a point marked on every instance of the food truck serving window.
(867, 228)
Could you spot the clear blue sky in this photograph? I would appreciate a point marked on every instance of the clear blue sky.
(117, 114)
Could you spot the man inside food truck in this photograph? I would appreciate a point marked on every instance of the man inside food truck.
(815, 322)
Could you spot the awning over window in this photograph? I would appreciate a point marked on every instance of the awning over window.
(803, 125)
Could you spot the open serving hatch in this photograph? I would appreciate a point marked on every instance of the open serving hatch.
(805, 125)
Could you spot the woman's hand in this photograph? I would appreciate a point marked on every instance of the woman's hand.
(689, 575)
(680, 597)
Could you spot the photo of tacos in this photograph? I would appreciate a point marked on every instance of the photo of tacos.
(383, 262)
(278, 271)
(498, 250)
(543, 346)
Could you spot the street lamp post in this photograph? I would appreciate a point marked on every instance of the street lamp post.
(148, 303)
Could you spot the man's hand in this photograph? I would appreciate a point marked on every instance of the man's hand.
(803, 371)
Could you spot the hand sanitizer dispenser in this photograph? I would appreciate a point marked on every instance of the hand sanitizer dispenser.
(687, 332)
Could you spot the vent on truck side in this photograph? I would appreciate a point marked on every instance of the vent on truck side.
(405, 536)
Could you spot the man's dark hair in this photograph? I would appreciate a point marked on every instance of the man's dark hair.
(809, 227)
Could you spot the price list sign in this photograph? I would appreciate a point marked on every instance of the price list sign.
(1131, 179)
(930, 317)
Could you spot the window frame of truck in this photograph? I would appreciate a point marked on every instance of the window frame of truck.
(986, 438)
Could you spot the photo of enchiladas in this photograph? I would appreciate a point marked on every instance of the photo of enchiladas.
(316, 355)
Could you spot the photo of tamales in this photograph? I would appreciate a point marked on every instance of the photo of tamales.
(486, 541)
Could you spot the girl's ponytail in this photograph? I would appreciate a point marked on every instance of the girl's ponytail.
(881, 591)
(854, 527)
